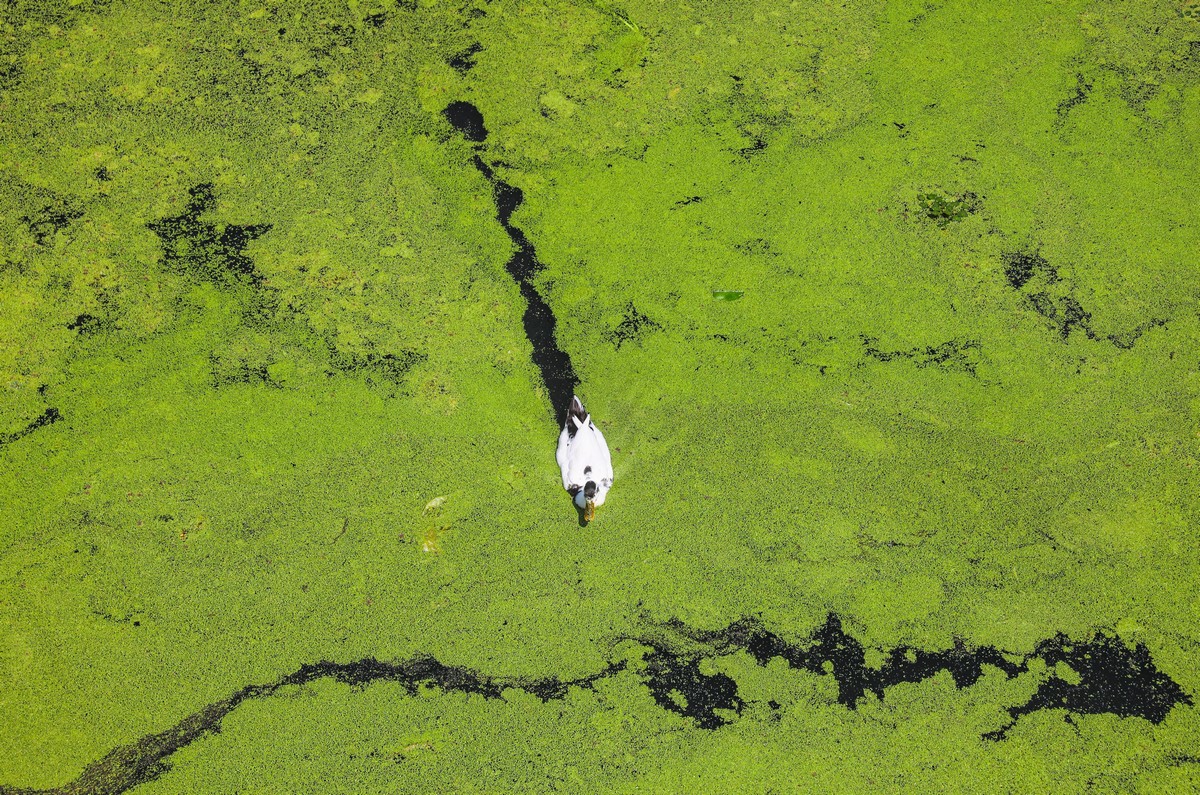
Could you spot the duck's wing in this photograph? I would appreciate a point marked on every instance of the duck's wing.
(604, 459)
(586, 457)
(563, 455)
(603, 470)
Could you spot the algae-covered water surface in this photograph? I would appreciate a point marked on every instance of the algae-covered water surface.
(890, 313)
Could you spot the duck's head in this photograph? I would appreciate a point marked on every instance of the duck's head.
(589, 501)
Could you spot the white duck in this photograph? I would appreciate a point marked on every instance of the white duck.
(583, 457)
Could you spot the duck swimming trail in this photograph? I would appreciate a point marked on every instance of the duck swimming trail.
(552, 362)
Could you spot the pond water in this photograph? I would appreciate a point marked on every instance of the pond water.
(889, 314)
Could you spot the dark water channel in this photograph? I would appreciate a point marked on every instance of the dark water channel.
(1112, 678)
(552, 362)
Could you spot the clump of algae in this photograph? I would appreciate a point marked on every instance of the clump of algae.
(766, 463)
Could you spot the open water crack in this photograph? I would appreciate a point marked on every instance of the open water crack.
(554, 364)
(1102, 675)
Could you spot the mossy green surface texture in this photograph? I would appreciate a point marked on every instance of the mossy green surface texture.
(267, 400)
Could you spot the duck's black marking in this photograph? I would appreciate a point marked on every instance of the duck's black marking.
(48, 417)
(587, 470)
(552, 362)
(589, 489)
(579, 413)
(1112, 678)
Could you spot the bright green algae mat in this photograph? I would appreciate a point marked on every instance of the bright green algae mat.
(959, 396)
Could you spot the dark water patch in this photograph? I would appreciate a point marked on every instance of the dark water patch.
(677, 684)
(86, 323)
(148, 758)
(953, 355)
(1109, 678)
(632, 328)
(48, 417)
(464, 61)
(1021, 266)
(381, 370)
(1126, 340)
(1137, 93)
(226, 370)
(1078, 96)
(831, 651)
(554, 364)
(963, 663)
(689, 200)
(1112, 678)
(10, 75)
(1064, 312)
(1073, 316)
(51, 219)
(211, 252)
(1049, 297)
(944, 210)
(466, 118)
(755, 146)
(376, 20)
(760, 247)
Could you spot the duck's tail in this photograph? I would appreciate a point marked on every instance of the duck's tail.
(576, 412)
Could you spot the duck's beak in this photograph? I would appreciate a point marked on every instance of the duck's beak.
(589, 510)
